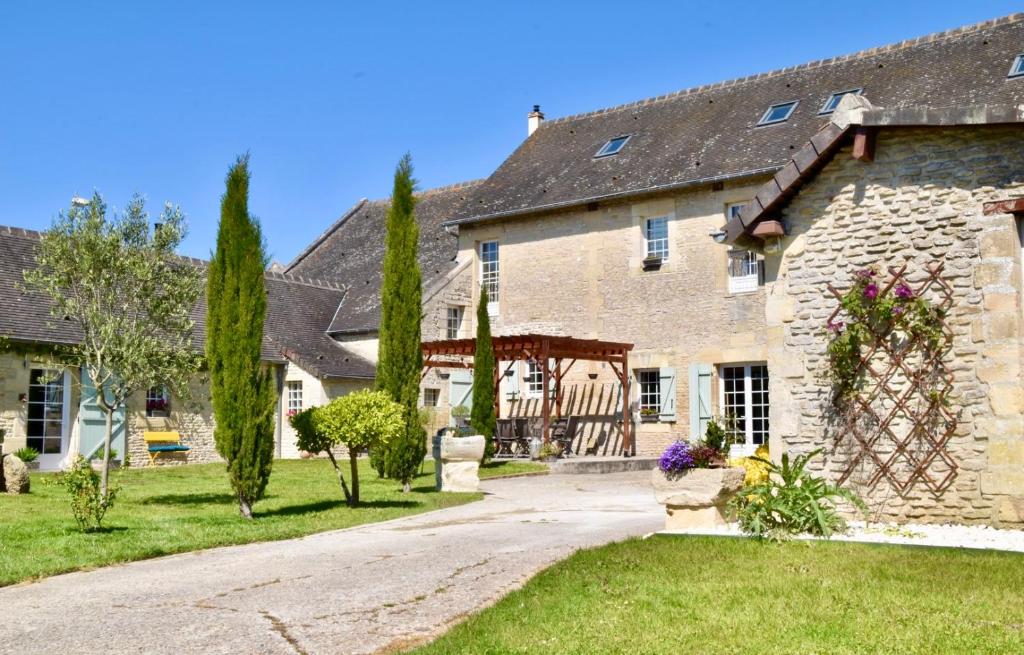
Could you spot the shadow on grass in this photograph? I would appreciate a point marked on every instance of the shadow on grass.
(209, 498)
(324, 505)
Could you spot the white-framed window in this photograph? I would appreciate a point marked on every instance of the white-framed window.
(833, 101)
(656, 237)
(453, 322)
(489, 273)
(778, 113)
(743, 401)
(649, 384)
(744, 271)
(294, 388)
(1017, 69)
(431, 397)
(158, 402)
(46, 411)
(533, 377)
(733, 209)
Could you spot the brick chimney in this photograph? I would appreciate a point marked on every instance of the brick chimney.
(533, 120)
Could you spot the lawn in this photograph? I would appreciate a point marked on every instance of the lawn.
(503, 468)
(176, 509)
(720, 595)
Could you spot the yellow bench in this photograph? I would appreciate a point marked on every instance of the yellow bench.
(163, 442)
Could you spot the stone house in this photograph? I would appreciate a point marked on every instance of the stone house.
(918, 190)
(53, 412)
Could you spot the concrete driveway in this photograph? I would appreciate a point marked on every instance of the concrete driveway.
(360, 590)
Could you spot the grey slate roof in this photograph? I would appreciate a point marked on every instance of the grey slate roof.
(709, 133)
(351, 252)
(298, 313)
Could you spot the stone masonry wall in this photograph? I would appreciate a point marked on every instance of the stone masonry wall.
(919, 202)
(580, 273)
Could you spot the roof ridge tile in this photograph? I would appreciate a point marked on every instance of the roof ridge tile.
(817, 63)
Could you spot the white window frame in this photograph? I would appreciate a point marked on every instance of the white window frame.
(733, 209)
(833, 100)
(1017, 67)
(62, 380)
(749, 278)
(660, 246)
(643, 398)
(490, 275)
(161, 394)
(792, 104)
(453, 330)
(751, 438)
(431, 393)
(293, 396)
(533, 379)
(607, 149)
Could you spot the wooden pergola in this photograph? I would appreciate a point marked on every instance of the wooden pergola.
(542, 349)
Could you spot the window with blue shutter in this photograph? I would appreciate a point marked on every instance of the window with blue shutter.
(700, 400)
(667, 388)
(460, 388)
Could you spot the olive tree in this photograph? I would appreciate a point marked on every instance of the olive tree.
(118, 280)
(359, 420)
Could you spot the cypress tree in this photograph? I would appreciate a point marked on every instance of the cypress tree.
(242, 388)
(482, 416)
(399, 358)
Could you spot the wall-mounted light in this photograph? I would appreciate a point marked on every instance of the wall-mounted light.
(22, 398)
(718, 236)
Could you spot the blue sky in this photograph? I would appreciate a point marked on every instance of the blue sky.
(159, 98)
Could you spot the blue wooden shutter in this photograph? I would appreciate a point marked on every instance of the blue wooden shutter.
(667, 387)
(92, 423)
(512, 383)
(700, 400)
(460, 388)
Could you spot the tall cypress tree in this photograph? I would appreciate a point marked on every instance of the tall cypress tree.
(243, 389)
(399, 358)
(482, 417)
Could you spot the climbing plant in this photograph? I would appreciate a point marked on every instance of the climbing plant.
(887, 354)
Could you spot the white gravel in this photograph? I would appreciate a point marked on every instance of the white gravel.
(949, 535)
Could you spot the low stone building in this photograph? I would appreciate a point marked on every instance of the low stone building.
(54, 411)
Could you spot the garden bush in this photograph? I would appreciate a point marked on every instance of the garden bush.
(792, 501)
(88, 503)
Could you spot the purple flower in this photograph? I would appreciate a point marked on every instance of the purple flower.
(865, 274)
(898, 311)
(904, 292)
(871, 291)
(836, 326)
(676, 458)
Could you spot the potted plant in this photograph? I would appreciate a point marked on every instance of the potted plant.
(549, 452)
(30, 456)
(460, 414)
(96, 460)
(648, 415)
(695, 485)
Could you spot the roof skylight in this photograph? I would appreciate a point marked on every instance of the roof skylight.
(778, 113)
(833, 100)
(612, 147)
(1018, 67)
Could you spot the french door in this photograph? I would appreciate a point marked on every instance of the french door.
(744, 403)
(46, 427)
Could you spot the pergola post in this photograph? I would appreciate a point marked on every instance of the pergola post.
(545, 375)
(627, 432)
(558, 388)
(497, 387)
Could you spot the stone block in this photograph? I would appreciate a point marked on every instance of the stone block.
(15, 475)
(998, 243)
(460, 476)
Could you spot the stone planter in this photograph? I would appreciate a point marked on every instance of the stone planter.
(97, 465)
(697, 497)
(460, 462)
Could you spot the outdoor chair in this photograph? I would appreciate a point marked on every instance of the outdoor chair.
(565, 433)
(506, 438)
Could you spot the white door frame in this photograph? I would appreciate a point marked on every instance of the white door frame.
(52, 461)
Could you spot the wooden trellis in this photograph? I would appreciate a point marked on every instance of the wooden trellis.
(906, 443)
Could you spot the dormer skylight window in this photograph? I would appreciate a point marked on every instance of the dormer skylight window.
(612, 147)
(833, 100)
(1017, 70)
(778, 113)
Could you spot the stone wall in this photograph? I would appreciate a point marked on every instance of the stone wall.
(918, 203)
(580, 273)
(191, 418)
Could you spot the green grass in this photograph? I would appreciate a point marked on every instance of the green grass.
(177, 509)
(721, 595)
(510, 467)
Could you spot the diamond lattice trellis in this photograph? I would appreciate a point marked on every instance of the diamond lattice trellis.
(898, 423)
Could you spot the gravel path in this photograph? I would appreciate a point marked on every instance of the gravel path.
(953, 536)
(350, 591)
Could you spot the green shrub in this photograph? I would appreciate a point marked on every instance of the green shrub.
(27, 454)
(88, 504)
(98, 455)
(715, 435)
(792, 501)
